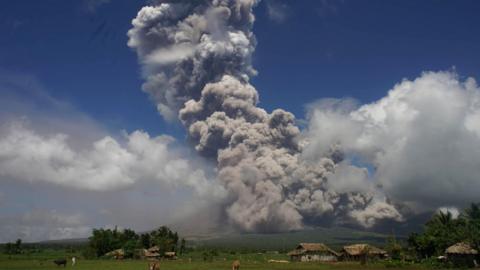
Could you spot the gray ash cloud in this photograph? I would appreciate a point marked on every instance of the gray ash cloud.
(196, 58)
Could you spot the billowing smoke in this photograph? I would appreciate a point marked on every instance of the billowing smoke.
(196, 60)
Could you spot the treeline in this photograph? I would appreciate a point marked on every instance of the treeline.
(103, 241)
(19, 247)
(444, 230)
(13, 248)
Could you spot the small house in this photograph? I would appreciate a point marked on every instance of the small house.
(154, 253)
(461, 255)
(117, 254)
(171, 255)
(154, 249)
(150, 255)
(309, 252)
(359, 252)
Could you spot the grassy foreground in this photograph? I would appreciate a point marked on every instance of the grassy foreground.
(192, 261)
(32, 264)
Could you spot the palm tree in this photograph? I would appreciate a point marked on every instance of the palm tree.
(472, 213)
(442, 218)
(472, 218)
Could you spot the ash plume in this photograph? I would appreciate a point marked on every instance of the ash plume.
(196, 61)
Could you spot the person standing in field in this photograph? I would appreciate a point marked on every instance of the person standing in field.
(74, 260)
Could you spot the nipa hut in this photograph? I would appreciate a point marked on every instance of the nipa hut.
(359, 252)
(154, 253)
(308, 252)
(154, 249)
(170, 255)
(117, 254)
(148, 254)
(462, 254)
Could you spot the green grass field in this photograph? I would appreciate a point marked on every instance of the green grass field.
(254, 261)
(183, 265)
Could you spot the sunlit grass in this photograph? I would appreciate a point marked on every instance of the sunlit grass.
(44, 264)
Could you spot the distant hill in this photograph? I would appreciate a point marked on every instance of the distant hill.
(72, 241)
(65, 241)
(334, 237)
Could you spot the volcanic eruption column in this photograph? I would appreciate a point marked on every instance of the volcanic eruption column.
(196, 60)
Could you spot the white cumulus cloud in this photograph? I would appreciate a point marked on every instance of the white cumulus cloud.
(422, 139)
(105, 164)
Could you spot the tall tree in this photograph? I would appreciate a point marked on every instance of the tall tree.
(471, 217)
(182, 246)
(9, 248)
(145, 240)
(165, 239)
(443, 230)
(472, 213)
(440, 232)
(18, 246)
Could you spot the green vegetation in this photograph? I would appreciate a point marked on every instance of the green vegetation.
(193, 261)
(443, 231)
(253, 250)
(13, 248)
(217, 265)
(103, 241)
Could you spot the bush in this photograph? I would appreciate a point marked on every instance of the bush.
(89, 253)
(129, 248)
(443, 230)
(396, 264)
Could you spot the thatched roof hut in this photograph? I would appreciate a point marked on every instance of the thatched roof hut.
(117, 253)
(154, 249)
(150, 254)
(461, 249)
(461, 255)
(313, 252)
(361, 252)
(360, 249)
(170, 255)
(154, 253)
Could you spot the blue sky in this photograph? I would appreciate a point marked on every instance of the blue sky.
(318, 49)
(65, 68)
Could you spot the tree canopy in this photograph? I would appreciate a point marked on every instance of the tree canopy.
(443, 230)
(103, 241)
